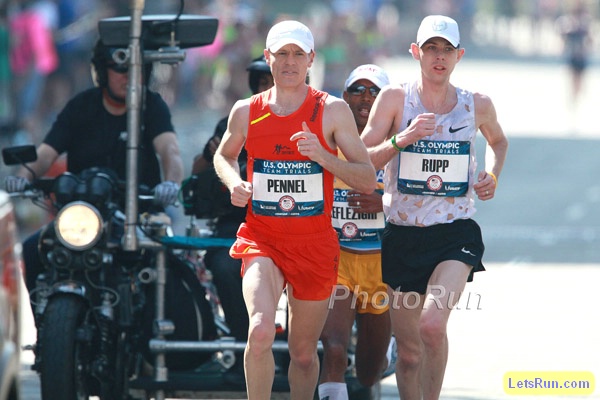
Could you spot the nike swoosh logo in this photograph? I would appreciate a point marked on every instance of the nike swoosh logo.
(467, 252)
(452, 130)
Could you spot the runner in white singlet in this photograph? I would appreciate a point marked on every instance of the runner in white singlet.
(423, 133)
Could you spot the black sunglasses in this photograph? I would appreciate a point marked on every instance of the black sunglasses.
(361, 89)
(119, 68)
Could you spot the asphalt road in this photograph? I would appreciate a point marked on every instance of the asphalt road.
(535, 308)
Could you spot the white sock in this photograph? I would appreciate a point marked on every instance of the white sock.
(389, 353)
(333, 391)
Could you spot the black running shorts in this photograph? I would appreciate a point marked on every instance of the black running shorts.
(409, 254)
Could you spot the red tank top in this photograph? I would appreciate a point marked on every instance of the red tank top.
(291, 193)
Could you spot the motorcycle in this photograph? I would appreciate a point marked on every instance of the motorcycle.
(93, 296)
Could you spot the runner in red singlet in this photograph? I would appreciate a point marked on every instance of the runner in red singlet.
(291, 133)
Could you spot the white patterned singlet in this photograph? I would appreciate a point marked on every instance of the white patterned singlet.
(431, 181)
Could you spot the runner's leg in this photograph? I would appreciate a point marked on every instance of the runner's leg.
(374, 335)
(307, 319)
(336, 338)
(405, 313)
(262, 285)
(445, 287)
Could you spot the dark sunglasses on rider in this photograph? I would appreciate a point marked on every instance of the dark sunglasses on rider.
(119, 68)
(361, 89)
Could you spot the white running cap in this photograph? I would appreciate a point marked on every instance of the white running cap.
(438, 26)
(290, 32)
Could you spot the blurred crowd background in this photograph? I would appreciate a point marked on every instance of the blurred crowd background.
(45, 45)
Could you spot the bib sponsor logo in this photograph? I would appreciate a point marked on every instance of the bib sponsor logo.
(349, 230)
(434, 183)
(287, 203)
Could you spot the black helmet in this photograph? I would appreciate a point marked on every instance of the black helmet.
(255, 69)
(102, 56)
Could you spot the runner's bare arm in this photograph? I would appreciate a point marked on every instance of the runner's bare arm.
(497, 142)
(226, 157)
(340, 131)
(384, 121)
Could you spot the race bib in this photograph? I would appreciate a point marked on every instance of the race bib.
(287, 188)
(353, 225)
(435, 168)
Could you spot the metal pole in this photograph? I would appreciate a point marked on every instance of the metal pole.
(134, 96)
(161, 373)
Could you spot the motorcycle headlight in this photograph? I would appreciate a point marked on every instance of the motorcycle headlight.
(78, 226)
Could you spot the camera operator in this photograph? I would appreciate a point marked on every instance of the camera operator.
(92, 130)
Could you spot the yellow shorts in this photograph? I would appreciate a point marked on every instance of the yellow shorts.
(361, 273)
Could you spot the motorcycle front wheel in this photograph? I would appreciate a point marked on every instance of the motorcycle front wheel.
(63, 373)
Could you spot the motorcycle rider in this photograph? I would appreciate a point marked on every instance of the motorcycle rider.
(92, 130)
(226, 270)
